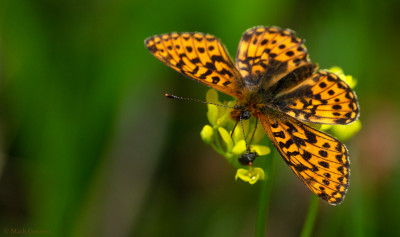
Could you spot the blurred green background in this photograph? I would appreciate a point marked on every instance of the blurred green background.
(89, 146)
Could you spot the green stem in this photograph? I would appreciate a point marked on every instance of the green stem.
(311, 217)
(265, 195)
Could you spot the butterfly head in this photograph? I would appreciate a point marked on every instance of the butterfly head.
(240, 111)
(246, 108)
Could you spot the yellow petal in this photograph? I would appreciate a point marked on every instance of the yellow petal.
(259, 134)
(212, 113)
(347, 78)
(250, 176)
(345, 132)
(226, 137)
(261, 150)
(207, 134)
(212, 96)
(239, 148)
(325, 127)
(238, 133)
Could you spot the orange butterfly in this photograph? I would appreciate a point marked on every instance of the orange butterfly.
(275, 81)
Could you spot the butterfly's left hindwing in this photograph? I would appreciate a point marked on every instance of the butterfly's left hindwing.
(319, 160)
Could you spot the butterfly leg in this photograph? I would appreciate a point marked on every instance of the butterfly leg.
(254, 132)
(233, 130)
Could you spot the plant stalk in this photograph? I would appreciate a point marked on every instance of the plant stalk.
(311, 217)
(265, 196)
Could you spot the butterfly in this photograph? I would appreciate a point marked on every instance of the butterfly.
(275, 81)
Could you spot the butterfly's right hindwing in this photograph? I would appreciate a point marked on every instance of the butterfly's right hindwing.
(322, 98)
(319, 160)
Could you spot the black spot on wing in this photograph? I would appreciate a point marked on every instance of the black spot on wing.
(290, 53)
(215, 79)
(323, 153)
(300, 167)
(204, 75)
(324, 164)
(311, 137)
(298, 141)
(291, 128)
(307, 155)
(286, 144)
(279, 134)
(226, 83)
(152, 48)
(326, 145)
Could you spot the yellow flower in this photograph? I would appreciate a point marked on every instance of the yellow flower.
(229, 142)
(343, 132)
(240, 148)
(251, 175)
(217, 116)
(352, 82)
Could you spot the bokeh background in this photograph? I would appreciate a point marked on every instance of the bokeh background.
(89, 146)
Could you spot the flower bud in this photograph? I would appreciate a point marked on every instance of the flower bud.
(207, 134)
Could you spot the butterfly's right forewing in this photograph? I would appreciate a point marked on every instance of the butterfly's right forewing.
(267, 54)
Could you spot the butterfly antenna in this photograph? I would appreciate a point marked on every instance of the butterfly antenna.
(190, 99)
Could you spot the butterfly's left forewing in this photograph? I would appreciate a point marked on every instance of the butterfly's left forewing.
(199, 56)
(319, 160)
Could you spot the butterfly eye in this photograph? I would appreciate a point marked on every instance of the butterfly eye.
(248, 158)
(237, 107)
(245, 115)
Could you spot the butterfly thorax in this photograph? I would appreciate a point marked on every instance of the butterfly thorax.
(248, 106)
(260, 91)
